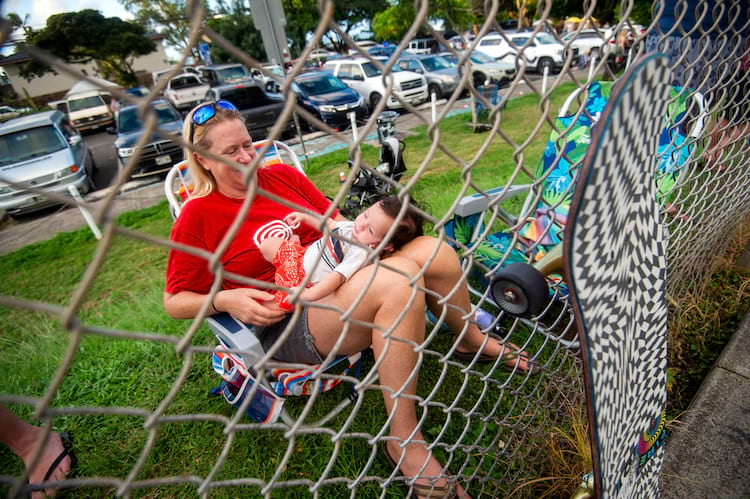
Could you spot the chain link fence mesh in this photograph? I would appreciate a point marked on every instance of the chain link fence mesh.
(498, 432)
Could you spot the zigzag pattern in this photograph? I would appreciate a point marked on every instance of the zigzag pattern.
(618, 280)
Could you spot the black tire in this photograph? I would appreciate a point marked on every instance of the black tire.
(374, 100)
(478, 78)
(434, 89)
(520, 290)
(545, 62)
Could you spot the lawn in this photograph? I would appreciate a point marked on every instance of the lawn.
(124, 361)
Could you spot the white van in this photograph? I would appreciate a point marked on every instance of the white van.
(90, 110)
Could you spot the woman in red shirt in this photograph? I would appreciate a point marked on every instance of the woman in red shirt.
(216, 228)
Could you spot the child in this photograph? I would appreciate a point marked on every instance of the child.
(340, 258)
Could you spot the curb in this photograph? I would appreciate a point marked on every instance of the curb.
(708, 453)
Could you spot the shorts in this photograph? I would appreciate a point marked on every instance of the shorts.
(299, 346)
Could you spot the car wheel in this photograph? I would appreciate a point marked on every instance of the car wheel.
(374, 100)
(434, 90)
(545, 63)
(478, 79)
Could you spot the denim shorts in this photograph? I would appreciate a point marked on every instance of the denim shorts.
(298, 347)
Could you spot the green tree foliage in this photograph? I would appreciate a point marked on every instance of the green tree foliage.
(170, 18)
(85, 36)
(303, 17)
(235, 23)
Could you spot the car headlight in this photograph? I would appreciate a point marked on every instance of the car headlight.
(328, 109)
(447, 78)
(66, 171)
(125, 152)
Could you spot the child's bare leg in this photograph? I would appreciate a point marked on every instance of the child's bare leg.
(270, 246)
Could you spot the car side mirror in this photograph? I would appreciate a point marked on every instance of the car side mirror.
(74, 140)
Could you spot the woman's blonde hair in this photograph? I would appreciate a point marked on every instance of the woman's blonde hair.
(203, 180)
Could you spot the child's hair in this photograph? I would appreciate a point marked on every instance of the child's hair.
(410, 225)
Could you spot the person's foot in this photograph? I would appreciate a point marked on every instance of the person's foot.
(45, 469)
(432, 481)
(511, 356)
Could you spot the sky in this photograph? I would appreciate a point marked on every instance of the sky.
(39, 10)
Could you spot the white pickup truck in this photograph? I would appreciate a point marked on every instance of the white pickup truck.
(185, 91)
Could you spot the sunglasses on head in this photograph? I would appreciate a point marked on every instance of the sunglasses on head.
(205, 112)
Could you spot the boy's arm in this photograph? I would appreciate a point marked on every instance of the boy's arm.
(325, 287)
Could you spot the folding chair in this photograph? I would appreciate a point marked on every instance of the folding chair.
(518, 269)
(178, 186)
(250, 382)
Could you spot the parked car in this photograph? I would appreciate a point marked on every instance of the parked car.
(260, 109)
(89, 110)
(161, 152)
(329, 99)
(422, 46)
(593, 41)
(484, 68)
(382, 50)
(442, 76)
(225, 74)
(363, 76)
(42, 150)
(8, 112)
(266, 81)
(186, 90)
(538, 50)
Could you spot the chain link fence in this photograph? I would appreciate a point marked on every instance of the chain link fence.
(497, 432)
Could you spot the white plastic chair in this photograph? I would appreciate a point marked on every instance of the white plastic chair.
(178, 186)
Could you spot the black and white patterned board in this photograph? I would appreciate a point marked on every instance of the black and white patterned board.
(615, 265)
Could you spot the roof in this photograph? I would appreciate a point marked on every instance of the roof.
(30, 121)
(87, 86)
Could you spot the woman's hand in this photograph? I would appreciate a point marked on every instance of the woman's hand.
(251, 306)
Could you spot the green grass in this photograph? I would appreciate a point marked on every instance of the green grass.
(133, 375)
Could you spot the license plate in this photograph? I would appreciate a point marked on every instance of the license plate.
(163, 160)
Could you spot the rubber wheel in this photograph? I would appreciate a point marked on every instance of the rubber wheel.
(546, 63)
(478, 79)
(374, 99)
(520, 290)
(434, 89)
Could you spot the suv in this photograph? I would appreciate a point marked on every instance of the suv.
(367, 79)
(442, 76)
(542, 50)
(225, 74)
(43, 150)
(260, 109)
(483, 68)
(160, 153)
(185, 91)
(595, 41)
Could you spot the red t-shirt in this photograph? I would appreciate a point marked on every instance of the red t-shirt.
(204, 221)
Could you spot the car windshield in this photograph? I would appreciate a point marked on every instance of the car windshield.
(481, 58)
(371, 70)
(435, 63)
(232, 73)
(545, 38)
(322, 85)
(85, 103)
(27, 144)
(129, 121)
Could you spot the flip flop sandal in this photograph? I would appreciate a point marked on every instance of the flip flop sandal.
(419, 490)
(67, 442)
(483, 358)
